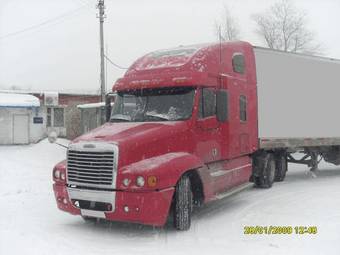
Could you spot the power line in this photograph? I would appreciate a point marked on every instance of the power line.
(45, 23)
(114, 64)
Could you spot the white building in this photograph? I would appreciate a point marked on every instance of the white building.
(21, 119)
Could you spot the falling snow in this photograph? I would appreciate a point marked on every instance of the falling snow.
(31, 223)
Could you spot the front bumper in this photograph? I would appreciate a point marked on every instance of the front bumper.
(149, 208)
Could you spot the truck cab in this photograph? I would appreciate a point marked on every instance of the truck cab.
(181, 133)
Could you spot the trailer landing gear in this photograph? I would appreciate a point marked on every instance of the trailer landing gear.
(310, 159)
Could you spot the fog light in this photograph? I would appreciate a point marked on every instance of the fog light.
(57, 174)
(65, 201)
(140, 181)
(126, 182)
(126, 209)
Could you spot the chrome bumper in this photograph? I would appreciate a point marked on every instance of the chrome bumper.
(93, 195)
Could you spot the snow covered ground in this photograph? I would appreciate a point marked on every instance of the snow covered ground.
(30, 223)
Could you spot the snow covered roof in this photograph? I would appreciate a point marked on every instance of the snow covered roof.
(174, 57)
(63, 91)
(18, 100)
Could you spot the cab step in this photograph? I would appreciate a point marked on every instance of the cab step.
(234, 190)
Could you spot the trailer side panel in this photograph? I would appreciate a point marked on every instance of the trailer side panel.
(298, 96)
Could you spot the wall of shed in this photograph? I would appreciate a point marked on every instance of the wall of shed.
(35, 131)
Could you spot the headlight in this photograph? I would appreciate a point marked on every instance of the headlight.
(57, 174)
(140, 181)
(126, 182)
(62, 176)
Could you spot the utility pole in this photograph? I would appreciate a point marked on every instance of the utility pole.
(101, 16)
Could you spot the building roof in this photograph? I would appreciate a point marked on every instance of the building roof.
(18, 100)
(61, 92)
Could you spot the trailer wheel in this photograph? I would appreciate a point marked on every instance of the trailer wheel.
(266, 165)
(183, 204)
(281, 167)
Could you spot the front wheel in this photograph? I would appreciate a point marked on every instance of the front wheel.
(183, 204)
(266, 170)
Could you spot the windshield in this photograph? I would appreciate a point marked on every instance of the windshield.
(166, 104)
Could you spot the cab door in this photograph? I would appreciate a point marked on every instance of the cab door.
(207, 128)
(208, 141)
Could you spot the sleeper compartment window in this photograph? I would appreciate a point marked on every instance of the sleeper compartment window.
(238, 63)
(243, 108)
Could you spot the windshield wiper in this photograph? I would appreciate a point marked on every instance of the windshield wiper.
(159, 116)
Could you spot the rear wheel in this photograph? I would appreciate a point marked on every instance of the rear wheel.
(265, 165)
(183, 204)
(281, 167)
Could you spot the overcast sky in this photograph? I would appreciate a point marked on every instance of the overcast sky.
(63, 54)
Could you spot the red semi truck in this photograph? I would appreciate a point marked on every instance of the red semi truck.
(194, 124)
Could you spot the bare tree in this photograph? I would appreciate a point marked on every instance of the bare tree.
(227, 29)
(72, 120)
(284, 27)
(14, 87)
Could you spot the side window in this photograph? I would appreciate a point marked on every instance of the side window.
(238, 63)
(207, 104)
(243, 108)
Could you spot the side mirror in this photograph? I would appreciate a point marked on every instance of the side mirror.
(222, 105)
(52, 137)
(108, 107)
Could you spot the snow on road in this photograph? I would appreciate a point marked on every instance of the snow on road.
(30, 223)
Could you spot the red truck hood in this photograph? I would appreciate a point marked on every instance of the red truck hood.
(120, 132)
(137, 141)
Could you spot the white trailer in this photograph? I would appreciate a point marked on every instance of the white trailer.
(298, 107)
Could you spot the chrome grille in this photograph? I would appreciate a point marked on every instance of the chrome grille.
(90, 167)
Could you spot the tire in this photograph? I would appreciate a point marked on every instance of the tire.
(183, 204)
(266, 165)
(281, 167)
